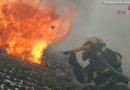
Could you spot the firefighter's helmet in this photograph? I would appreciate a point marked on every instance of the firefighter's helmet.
(95, 40)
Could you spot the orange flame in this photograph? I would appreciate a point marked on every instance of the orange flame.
(27, 27)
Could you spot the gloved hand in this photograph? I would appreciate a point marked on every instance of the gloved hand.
(73, 59)
(92, 50)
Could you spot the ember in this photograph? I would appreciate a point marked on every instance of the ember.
(27, 27)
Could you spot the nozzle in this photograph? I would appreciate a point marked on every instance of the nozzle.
(76, 50)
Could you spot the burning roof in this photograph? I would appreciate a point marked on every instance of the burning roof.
(19, 74)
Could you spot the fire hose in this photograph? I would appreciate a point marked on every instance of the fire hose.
(99, 55)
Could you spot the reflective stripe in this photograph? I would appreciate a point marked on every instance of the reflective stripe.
(118, 58)
(104, 49)
(73, 67)
(121, 84)
(86, 77)
(106, 70)
(94, 74)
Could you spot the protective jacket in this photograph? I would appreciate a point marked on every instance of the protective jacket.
(96, 71)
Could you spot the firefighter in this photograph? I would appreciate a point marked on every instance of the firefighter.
(96, 71)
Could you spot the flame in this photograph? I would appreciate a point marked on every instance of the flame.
(27, 27)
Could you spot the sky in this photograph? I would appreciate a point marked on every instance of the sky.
(93, 18)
